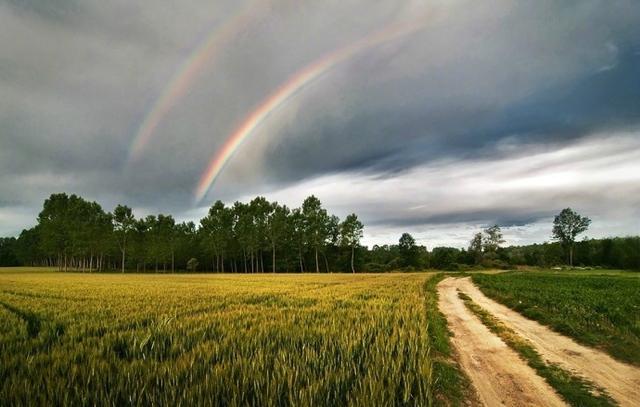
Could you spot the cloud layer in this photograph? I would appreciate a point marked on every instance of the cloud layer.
(497, 111)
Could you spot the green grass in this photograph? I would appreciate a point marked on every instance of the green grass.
(573, 389)
(115, 339)
(596, 308)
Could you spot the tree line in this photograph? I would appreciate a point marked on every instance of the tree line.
(259, 236)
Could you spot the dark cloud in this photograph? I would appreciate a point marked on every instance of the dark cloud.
(480, 82)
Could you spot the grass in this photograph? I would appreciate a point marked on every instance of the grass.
(573, 389)
(267, 340)
(596, 308)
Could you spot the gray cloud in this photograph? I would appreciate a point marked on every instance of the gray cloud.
(479, 82)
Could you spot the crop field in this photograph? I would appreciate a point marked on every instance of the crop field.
(596, 308)
(221, 340)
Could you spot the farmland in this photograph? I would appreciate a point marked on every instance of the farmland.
(222, 339)
(596, 308)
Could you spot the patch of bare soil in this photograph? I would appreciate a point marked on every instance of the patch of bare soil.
(620, 380)
(498, 374)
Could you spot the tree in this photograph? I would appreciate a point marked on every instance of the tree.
(350, 235)
(316, 223)
(123, 223)
(475, 247)
(192, 264)
(216, 229)
(408, 250)
(493, 239)
(566, 226)
(277, 227)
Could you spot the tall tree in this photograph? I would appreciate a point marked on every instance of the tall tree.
(475, 247)
(277, 228)
(492, 239)
(216, 230)
(408, 250)
(316, 225)
(298, 234)
(123, 223)
(351, 231)
(566, 226)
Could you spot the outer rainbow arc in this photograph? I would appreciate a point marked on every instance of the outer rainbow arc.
(185, 76)
(295, 84)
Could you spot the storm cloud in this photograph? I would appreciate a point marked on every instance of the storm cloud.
(488, 112)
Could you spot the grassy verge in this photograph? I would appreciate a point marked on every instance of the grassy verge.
(599, 310)
(573, 389)
(450, 385)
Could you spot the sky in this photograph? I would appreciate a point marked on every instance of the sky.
(436, 118)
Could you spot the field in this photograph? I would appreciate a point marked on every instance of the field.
(223, 340)
(596, 308)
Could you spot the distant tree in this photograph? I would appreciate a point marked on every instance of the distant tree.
(475, 247)
(492, 239)
(192, 264)
(566, 226)
(53, 221)
(316, 223)
(216, 228)
(445, 258)
(123, 223)
(408, 250)
(277, 228)
(350, 235)
(298, 233)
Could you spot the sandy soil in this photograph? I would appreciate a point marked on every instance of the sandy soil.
(498, 374)
(620, 380)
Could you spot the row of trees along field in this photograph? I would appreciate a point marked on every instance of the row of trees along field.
(72, 233)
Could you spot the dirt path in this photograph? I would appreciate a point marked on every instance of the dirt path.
(621, 380)
(498, 374)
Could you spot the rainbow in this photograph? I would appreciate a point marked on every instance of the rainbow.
(288, 90)
(186, 74)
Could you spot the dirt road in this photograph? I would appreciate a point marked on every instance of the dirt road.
(620, 380)
(498, 374)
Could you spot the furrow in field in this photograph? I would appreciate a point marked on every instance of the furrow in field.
(498, 374)
(620, 380)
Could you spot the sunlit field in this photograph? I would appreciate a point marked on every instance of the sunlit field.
(218, 339)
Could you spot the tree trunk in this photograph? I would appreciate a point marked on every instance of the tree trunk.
(571, 255)
(173, 260)
(300, 257)
(261, 262)
(326, 262)
(317, 264)
(353, 249)
(222, 261)
(273, 258)
(123, 250)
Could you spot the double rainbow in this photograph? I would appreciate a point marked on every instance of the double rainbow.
(288, 90)
(187, 73)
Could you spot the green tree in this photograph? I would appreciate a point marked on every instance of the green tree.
(298, 234)
(316, 226)
(277, 229)
(492, 239)
(408, 250)
(54, 228)
(566, 226)
(351, 231)
(475, 247)
(123, 224)
(216, 228)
